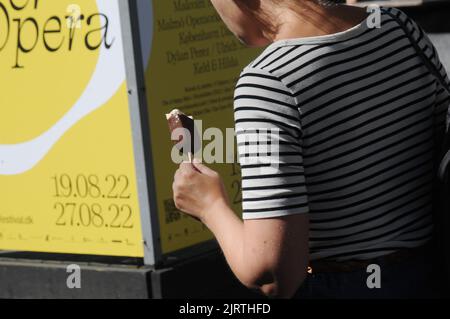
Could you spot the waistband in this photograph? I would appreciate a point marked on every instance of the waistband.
(329, 266)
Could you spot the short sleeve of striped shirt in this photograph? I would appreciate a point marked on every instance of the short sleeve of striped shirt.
(269, 137)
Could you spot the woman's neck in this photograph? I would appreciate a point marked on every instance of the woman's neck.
(311, 19)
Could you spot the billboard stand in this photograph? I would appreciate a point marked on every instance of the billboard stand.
(74, 222)
(174, 275)
(141, 133)
(42, 279)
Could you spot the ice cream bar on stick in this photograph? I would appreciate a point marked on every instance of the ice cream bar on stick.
(186, 132)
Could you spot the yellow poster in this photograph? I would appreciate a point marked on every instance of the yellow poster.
(67, 172)
(193, 66)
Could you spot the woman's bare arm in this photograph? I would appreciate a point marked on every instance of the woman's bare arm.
(270, 255)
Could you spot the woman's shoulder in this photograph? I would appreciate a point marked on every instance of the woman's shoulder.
(265, 64)
(269, 59)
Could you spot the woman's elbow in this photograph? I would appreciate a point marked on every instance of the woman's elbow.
(272, 286)
(281, 290)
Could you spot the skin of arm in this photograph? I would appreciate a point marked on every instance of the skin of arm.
(269, 255)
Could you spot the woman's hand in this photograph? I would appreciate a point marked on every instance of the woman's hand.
(197, 189)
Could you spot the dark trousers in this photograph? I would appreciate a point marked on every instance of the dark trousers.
(417, 277)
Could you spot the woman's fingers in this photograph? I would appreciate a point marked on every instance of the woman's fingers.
(203, 168)
(195, 187)
(187, 167)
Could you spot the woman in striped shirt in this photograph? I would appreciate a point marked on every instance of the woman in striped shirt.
(356, 117)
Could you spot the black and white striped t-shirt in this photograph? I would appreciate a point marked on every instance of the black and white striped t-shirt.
(358, 116)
